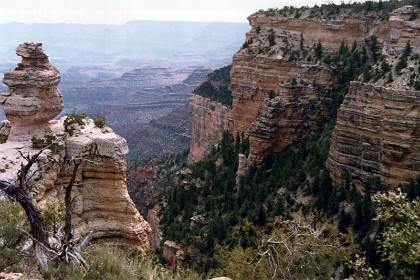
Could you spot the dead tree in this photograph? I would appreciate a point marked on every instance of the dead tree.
(65, 248)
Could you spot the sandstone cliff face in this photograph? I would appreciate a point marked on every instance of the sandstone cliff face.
(276, 99)
(208, 119)
(101, 203)
(377, 134)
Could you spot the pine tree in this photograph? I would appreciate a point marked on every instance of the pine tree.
(318, 50)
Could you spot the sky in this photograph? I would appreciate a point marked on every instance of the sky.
(122, 11)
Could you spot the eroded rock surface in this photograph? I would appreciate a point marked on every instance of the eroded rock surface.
(208, 119)
(377, 135)
(278, 99)
(32, 99)
(101, 203)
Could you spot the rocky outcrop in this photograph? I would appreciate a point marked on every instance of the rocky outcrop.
(155, 236)
(208, 119)
(101, 203)
(4, 131)
(288, 117)
(32, 99)
(377, 135)
(174, 255)
(11, 276)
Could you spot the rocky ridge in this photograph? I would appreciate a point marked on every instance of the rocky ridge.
(101, 203)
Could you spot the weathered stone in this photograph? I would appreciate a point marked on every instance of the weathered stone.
(261, 71)
(11, 276)
(32, 99)
(376, 135)
(208, 119)
(155, 235)
(4, 131)
(101, 203)
(170, 250)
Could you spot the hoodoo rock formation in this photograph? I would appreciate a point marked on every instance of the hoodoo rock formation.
(101, 203)
(32, 99)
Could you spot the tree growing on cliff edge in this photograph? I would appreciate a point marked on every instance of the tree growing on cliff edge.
(61, 246)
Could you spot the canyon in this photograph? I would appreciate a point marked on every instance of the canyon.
(282, 93)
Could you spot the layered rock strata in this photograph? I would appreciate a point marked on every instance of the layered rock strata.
(101, 203)
(264, 69)
(32, 99)
(377, 135)
(208, 119)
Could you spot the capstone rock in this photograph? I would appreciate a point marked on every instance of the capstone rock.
(33, 98)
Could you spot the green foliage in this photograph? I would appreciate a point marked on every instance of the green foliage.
(12, 218)
(72, 121)
(402, 62)
(271, 94)
(54, 214)
(217, 86)
(361, 270)
(301, 42)
(112, 263)
(318, 50)
(99, 121)
(271, 37)
(292, 249)
(400, 238)
(293, 82)
(49, 141)
(235, 212)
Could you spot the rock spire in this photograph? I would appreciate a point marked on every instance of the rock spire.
(32, 99)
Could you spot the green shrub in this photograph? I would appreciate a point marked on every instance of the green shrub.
(113, 263)
(72, 120)
(12, 219)
(272, 37)
(99, 121)
(49, 141)
(54, 214)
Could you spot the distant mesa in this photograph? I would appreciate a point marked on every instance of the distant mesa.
(32, 99)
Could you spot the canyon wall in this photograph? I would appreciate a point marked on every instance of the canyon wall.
(278, 98)
(208, 119)
(210, 113)
(377, 135)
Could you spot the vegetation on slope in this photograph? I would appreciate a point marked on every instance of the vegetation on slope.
(216, 87)
(230, 222)
(371, 10)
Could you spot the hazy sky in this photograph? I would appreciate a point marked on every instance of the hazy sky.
(121, 11)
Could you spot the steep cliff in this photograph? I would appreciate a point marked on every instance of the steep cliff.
(290, 76)
(208, 119)
(101, 203)
(377, 135)
(210, 113)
